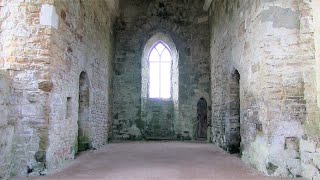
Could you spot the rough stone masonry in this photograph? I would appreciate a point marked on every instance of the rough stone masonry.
(45, 45)
(74, 74)
(273, 46)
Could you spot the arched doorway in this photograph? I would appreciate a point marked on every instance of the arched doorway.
(202, 119)
(84, 110)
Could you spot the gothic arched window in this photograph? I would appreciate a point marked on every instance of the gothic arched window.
(160, 62)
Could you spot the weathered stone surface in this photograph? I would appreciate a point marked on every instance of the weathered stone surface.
(6, 131)
(48, 16)
(44, 46)
(272, 45)
(306, 146)
(316, 160)
(281, 17)
(6, 155)
(45, 86)
(80, 108)
(4, 97)
(292, 143)
(310, 172)
(25, 50)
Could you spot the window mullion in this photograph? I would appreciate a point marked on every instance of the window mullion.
(159, 66)
(160, 78)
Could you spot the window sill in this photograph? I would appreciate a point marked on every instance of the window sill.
(160, 100)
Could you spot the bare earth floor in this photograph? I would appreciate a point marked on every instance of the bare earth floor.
(157, 160)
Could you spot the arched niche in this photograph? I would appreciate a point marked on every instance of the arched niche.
(233, 125)
(84, 113)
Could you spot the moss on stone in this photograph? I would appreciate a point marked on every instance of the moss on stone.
(40, 156)
(74, 149)
(43, 139)
(139, 123)
(83, 143)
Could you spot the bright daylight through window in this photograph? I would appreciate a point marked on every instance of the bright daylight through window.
(160, 61)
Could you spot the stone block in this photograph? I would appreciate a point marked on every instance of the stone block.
(48, 16)
(29, 110)
(45, 86)
(3, 115)
(306, 157)
(4, 97)
(309, 171)
(292, 143)
(294, 166)
(6, 137)
(316, 160)
(291, 154)
(306, 146)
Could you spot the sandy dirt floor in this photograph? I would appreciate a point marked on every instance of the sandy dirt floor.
(157, 160)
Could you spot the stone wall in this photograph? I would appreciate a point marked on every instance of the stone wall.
(316, 20)
(198, 73)
(6, 129)
(25, 56)
(82, 43)
(45, 45)
(310, 142)
(186, 24)
(271, 44)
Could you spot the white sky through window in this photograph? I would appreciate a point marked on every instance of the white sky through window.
(160, 72)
